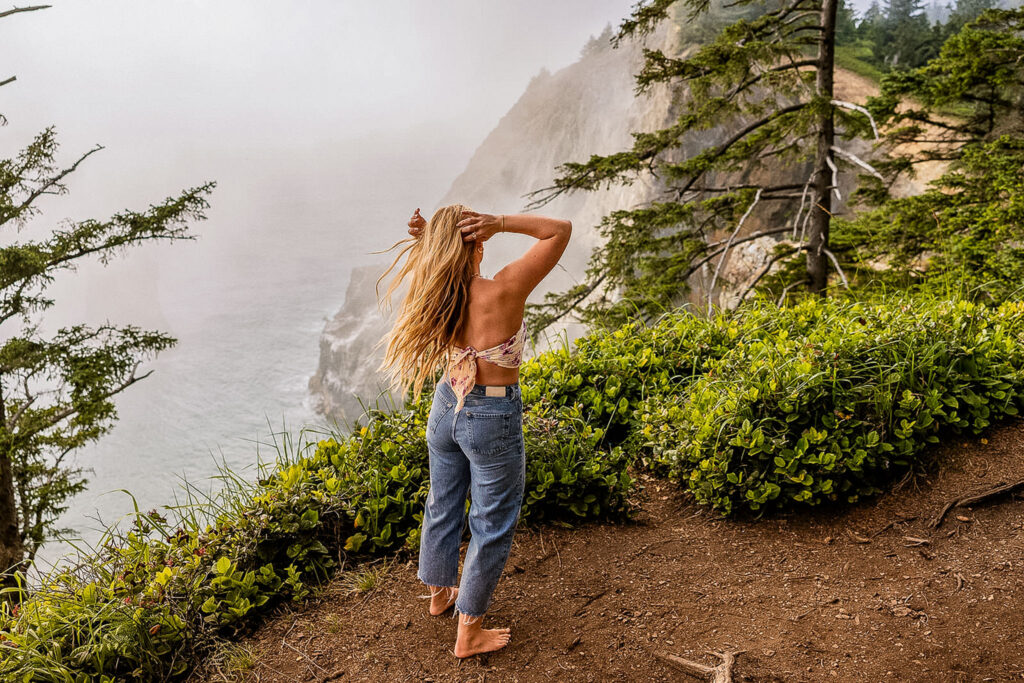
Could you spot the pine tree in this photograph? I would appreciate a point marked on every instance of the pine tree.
(846, 23)
(766, 83)
(871, 23)
(56, 392)
(965, 12)
(905, 38)
(964, 108)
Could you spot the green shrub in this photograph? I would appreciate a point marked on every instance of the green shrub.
(825, 400)
(767, 406)
(606, 376)
(568, 473)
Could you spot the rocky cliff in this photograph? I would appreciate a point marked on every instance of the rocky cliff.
(586, 108)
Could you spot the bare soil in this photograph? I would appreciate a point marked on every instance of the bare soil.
(863, 593)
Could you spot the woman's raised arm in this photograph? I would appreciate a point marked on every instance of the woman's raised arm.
(525, 273)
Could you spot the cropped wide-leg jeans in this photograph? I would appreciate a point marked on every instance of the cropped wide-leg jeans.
(478, 450)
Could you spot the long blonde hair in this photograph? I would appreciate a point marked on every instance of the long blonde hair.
(433, 309)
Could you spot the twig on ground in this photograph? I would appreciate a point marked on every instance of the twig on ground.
(303, 654)
(857, 538)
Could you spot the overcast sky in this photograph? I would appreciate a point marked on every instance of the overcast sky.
(228, 73)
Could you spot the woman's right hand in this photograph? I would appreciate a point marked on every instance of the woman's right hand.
(417, 223)
(478, 227)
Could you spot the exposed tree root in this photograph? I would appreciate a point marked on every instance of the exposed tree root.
(971, 500)
(719, 674)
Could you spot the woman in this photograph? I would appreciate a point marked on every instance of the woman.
(474, 431)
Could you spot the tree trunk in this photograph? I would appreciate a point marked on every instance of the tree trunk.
(12, 553)
(821, 210)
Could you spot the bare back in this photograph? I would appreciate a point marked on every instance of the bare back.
(494, 314)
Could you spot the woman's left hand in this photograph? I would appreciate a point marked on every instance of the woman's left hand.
(478, 227)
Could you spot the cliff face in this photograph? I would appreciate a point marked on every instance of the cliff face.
(347, 370)
(586, 108)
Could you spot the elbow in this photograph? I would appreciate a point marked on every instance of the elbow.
(567, 228)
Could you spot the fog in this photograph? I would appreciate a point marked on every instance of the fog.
(324, 124)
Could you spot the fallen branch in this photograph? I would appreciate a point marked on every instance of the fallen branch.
(976, 498)
(719, 674)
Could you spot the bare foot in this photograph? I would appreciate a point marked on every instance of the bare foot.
(474, 640)
(441, 598)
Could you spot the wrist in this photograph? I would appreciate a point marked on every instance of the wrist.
(502, 228)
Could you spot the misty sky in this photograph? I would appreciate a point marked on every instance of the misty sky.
(162, 85)
(230, 72)
(167, 79)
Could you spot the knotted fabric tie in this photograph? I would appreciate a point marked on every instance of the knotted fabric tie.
(462, 367)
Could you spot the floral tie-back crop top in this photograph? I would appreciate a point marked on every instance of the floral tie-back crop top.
(462, 366)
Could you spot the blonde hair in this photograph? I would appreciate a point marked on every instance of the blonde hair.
(433, 309)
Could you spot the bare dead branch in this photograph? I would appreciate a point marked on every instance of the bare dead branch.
(839, 270)
(860, 162)
(835, 175)
(862, 110)
(725, 250)
(17, 10)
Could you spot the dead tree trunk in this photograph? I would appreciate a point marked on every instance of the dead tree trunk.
(821, 207)
(12, 553)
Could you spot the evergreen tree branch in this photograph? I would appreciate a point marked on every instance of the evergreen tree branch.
(15, 212)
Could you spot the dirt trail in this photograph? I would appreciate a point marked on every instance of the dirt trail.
(868, 593)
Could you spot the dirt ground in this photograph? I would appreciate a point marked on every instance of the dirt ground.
(864, 593)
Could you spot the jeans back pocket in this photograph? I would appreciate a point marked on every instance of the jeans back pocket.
(489, 432)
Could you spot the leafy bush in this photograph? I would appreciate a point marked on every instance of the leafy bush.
(606, 376)
(568, 474)
(826, 399)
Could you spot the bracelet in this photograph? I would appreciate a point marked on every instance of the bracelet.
(503, 222)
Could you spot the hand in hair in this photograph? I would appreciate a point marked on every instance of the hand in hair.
(417, 223)
(478, 227)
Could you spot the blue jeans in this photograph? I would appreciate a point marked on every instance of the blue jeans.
(478, 450)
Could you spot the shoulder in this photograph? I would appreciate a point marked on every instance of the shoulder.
(508, 286)
(495, 288)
